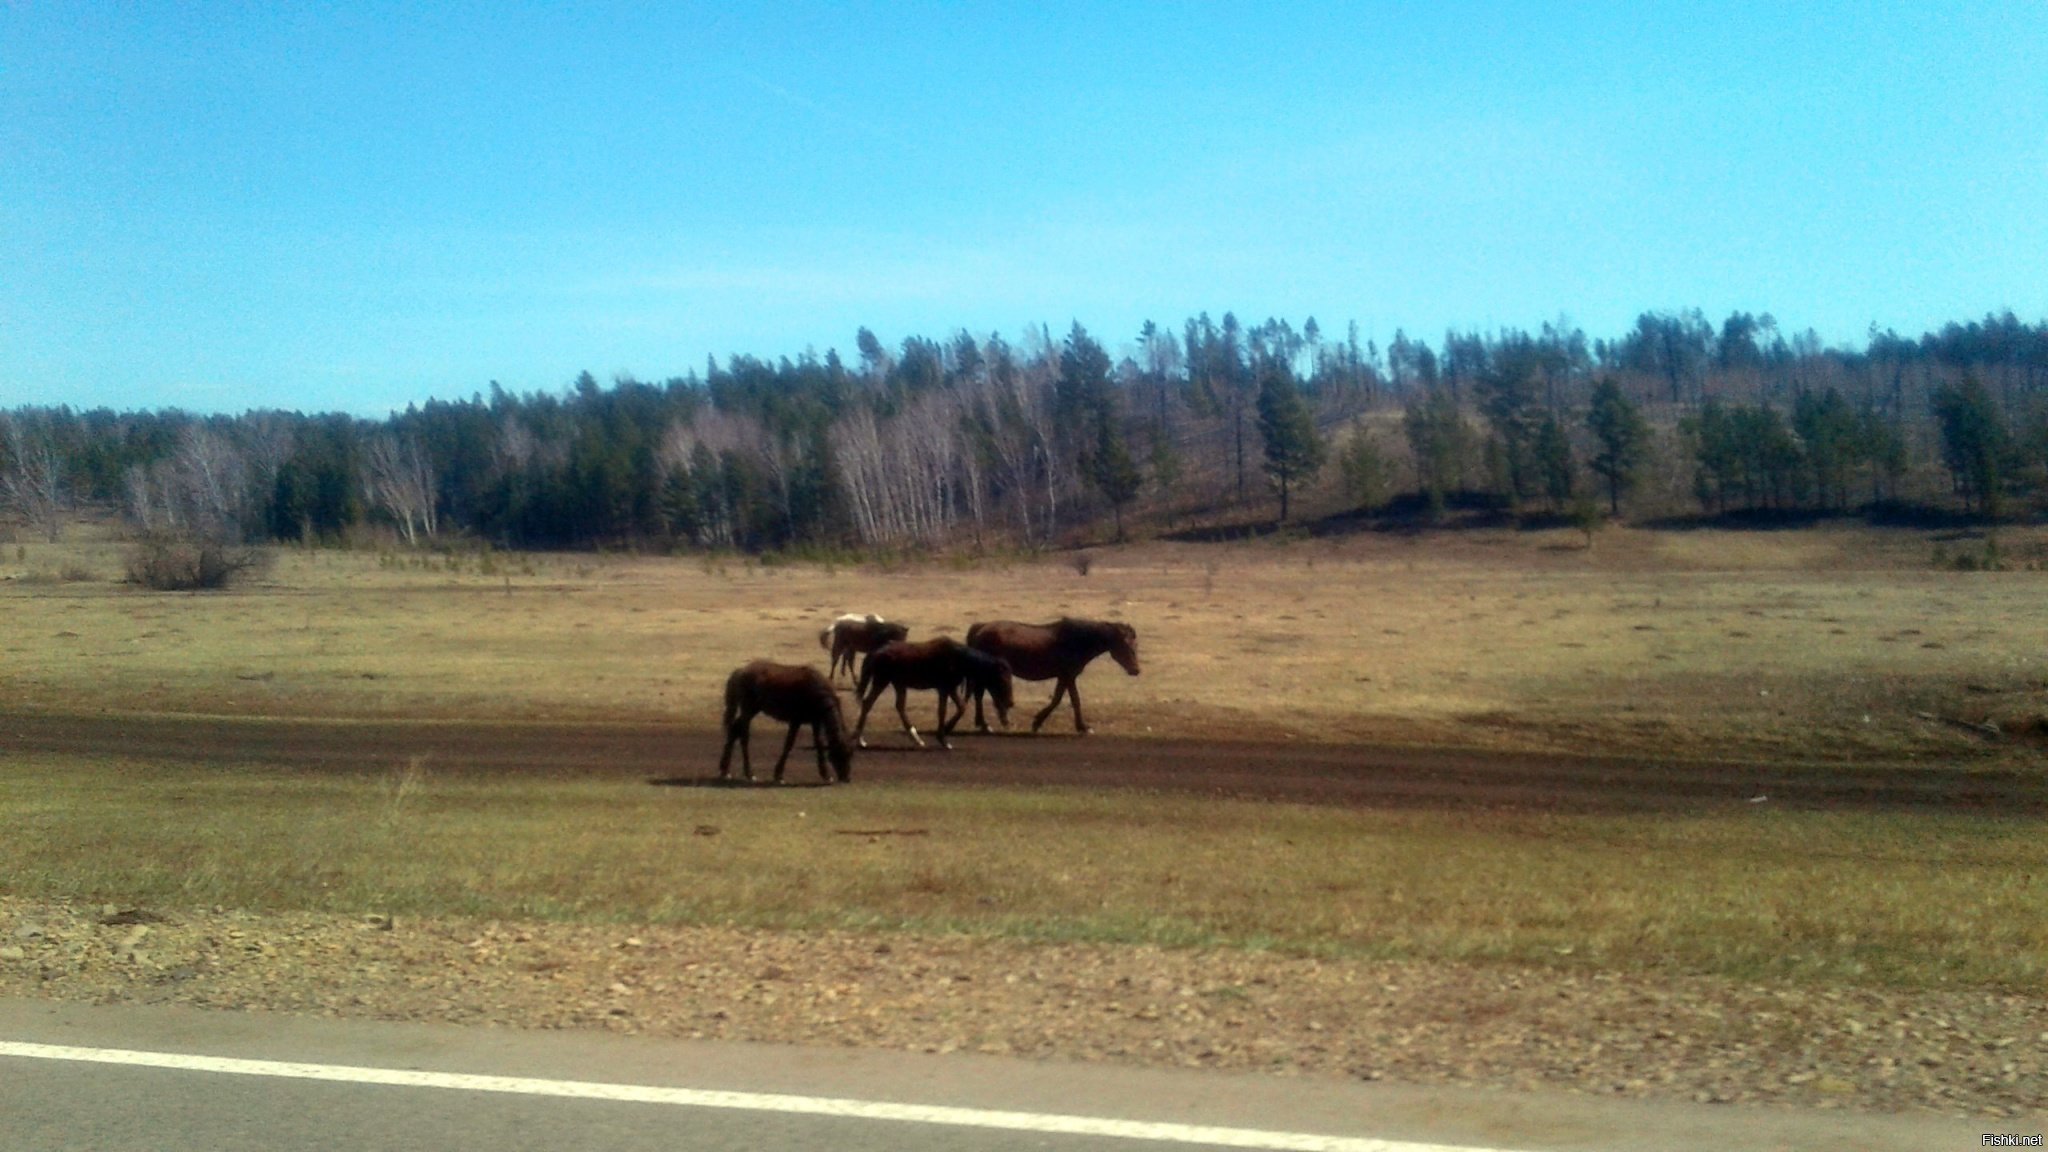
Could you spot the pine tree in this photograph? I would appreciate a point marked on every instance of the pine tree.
(1623, 438)
(1554, 462)
(1294, 451)
(1363, 467)
(1975, 443)
(1112, 471)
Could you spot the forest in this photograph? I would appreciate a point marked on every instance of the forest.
(974, 442)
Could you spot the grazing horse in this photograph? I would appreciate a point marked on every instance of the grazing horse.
(1055, 651)
(944, 665)
(796, 695)
(852, 635)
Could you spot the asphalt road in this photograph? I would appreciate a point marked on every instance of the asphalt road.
(953, 1102)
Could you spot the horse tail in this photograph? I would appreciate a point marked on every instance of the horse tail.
(733, 691)
(867, 670)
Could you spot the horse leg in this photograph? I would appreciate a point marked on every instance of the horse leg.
(959, 696)
(735, 711)
(740, 731)
(902, 692)
(788, 743)
(818, 746)
(867, 702)
(980, 725)
(1074, 694)
(945, 729)
(1058, 691)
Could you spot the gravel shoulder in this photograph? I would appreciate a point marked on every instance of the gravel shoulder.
(1974, 1054)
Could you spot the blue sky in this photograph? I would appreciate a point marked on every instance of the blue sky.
(353, 207)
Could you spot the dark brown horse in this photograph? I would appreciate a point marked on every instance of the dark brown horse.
(796, 695)
(943, 665)
(852, 635)
(1055, 651)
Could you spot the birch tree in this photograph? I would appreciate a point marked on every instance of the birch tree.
(33, 481)
(399, 479)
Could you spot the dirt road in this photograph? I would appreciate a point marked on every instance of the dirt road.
(1305, 773)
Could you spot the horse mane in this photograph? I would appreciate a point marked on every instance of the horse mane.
(1104, 629)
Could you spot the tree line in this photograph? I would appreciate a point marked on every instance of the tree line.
(978, 441)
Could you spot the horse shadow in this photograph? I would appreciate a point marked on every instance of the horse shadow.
(731, 782)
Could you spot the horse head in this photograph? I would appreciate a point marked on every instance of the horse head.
(890, 632)
(1123, 647)
(1002, 689)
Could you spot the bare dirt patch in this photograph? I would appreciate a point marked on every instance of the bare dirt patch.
(1355, 774)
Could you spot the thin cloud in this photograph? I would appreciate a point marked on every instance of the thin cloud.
(824, 111)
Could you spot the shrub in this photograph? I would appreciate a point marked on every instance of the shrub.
(171, 563)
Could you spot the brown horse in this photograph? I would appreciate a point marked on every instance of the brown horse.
(943, 665)
(852, 635)
(1055, 651)
(796, 695)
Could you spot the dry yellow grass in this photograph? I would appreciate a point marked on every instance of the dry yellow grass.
(1817, 643)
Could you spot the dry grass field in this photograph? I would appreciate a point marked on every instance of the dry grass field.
(1838, 650)
(1802, 647)
(1821, 644)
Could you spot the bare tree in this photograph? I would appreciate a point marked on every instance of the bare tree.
(202, 489)
(993, 409)
(266, 439)
(399, 479)
(1035, 382)
(715, 435)
(212, 482)
(33, 480)
(904, 476)
(857, 447)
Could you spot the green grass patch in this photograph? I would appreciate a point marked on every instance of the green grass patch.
(1885, 899)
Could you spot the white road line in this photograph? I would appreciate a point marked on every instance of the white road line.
(744, 1101)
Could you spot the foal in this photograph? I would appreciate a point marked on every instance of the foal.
(796, 695)
(852, 635)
